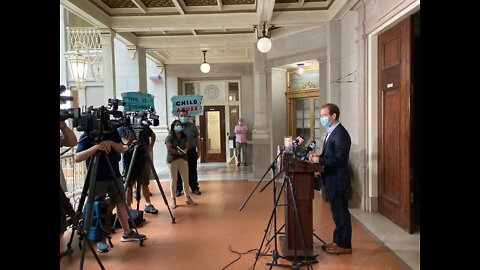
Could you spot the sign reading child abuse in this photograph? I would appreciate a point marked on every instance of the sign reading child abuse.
(137, 101)
(191, 103)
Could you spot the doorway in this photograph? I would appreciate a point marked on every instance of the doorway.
(212, 134)
(398, 126)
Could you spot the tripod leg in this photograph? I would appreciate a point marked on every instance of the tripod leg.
(275, 254)
(128, 180)
(137, 194)
(70, 212)
(88, 214)
(122, 192)
(319, 239)
(150, 163)
(78, 214)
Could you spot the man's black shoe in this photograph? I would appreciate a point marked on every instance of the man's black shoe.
(179, 193)
(197, 192)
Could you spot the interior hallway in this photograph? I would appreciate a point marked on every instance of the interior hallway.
(202, 235)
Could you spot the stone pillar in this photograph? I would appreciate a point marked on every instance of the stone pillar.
(139, 57)
(261, 134)
(106, 38)
(161, 131)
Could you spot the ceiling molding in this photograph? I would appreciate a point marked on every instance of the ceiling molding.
(88, 12)
(173, 32)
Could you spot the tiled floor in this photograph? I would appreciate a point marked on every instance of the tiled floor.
(202, 235)
(404, 245)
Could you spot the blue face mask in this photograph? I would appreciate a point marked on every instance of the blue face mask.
(178, 128)
(324, 121)
(183, 119)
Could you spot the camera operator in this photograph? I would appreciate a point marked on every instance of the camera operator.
(68, 139)
(141, 170)
(112, 146)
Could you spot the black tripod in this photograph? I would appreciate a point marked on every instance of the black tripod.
(139, 146)
(75, 223)
(273, 217)
(89, 187)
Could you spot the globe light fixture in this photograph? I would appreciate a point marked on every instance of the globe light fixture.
(264, 44)
(205, 67)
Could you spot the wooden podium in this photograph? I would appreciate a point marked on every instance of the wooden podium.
(302, 178)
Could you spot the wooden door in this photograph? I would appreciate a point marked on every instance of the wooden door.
(394, 143)
(212, 134)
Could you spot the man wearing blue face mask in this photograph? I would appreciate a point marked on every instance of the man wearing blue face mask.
(193, 153)
(336, 179)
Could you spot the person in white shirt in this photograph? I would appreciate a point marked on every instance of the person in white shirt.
(241, 131)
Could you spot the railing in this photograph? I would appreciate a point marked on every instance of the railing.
(74, 173)
(89, 36)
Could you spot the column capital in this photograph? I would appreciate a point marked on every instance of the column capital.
(132, 49)
(160, 67)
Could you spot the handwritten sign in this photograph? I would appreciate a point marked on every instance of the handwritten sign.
(137, 101)
(191, 103)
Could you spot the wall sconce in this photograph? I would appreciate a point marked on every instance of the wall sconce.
(263, 44)
(300, 68)
(78, 64)
(205, 67)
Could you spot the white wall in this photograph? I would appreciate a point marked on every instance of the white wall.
(352, 111)
(278, 108)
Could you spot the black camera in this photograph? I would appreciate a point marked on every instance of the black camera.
(67, 113)
(98, 122)
(140, 120)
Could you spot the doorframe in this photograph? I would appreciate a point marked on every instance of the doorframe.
(370, 199)
(223, 132)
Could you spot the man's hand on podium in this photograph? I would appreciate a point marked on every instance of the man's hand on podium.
(314, 158)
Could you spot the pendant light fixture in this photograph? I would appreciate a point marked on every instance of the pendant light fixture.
(263, 44)
(205, 67)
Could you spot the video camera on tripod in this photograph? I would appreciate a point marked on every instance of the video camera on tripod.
(140, 120)
(98, 122)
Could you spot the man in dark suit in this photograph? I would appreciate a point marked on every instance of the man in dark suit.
(334, 158)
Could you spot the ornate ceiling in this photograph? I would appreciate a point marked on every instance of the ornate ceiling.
(176, 31)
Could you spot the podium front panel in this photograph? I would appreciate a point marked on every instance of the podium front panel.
(302, 177)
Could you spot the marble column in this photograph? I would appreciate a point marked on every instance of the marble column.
(261, 134)
(106, 39)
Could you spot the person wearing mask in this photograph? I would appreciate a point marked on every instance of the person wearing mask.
(193, 154)
(141, 169)
(336, 179)
(109, 147)
(241, 131)
(177, 146)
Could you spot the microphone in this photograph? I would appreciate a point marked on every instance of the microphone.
(291, 149)
(309, 148)
(298, 141)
